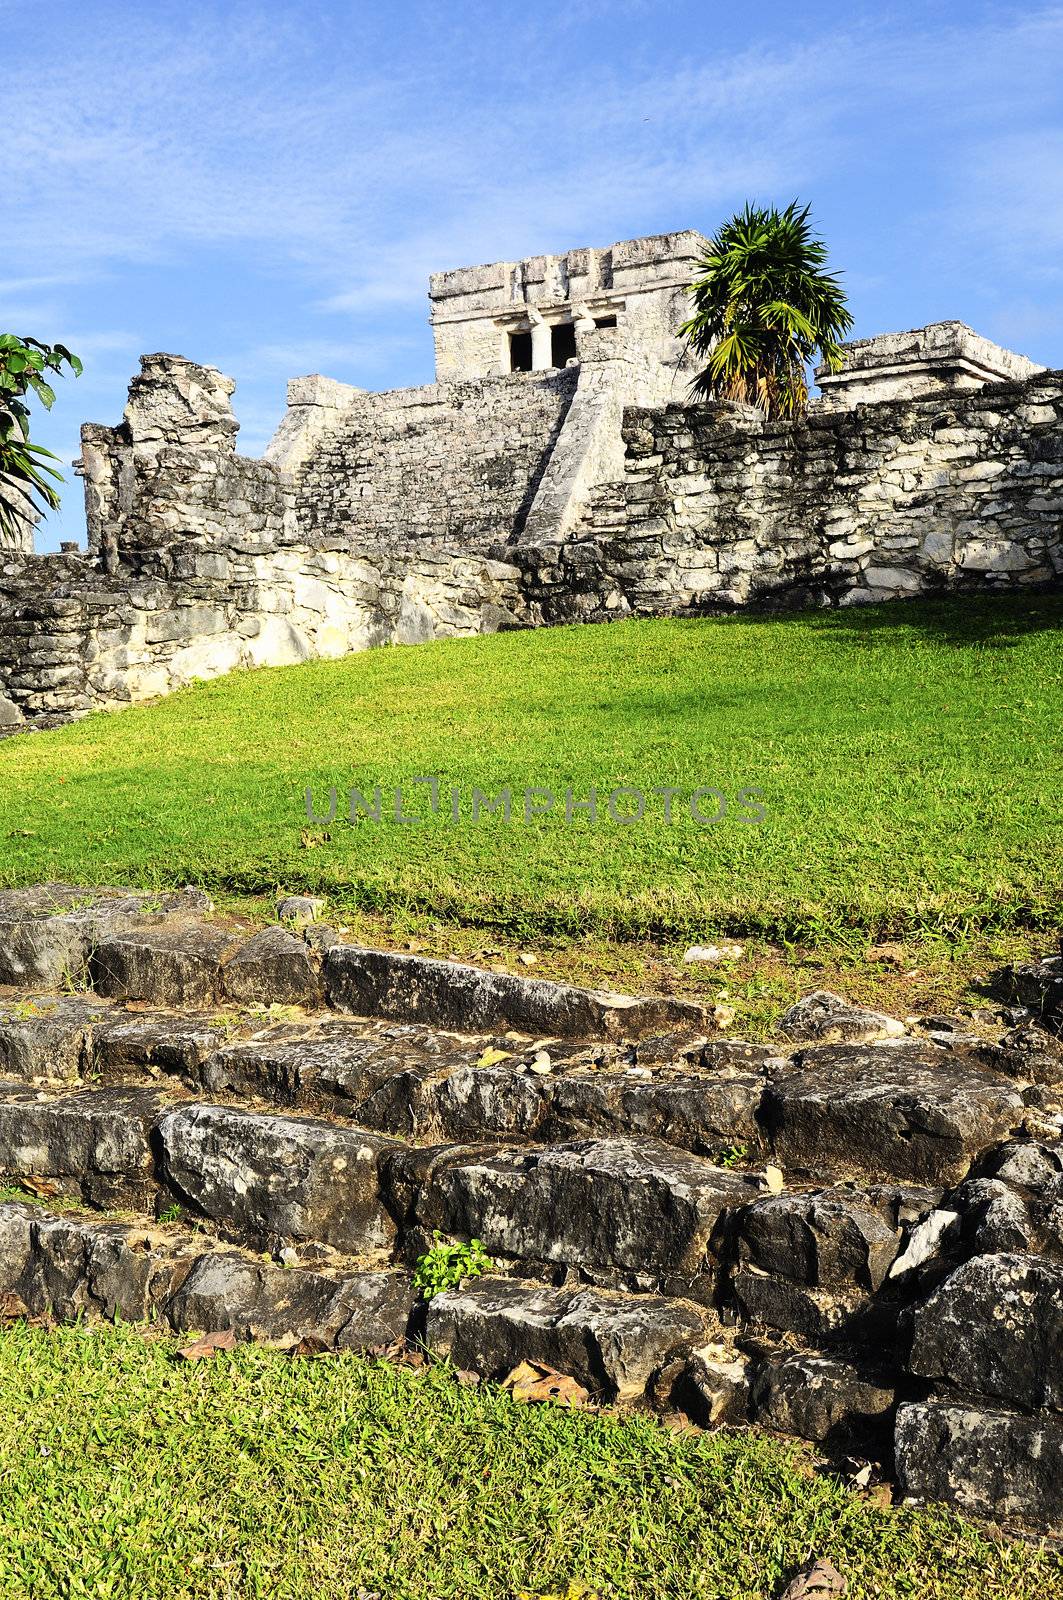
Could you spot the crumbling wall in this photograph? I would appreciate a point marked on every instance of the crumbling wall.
(373, 520)
(452, 461)
(717, 508)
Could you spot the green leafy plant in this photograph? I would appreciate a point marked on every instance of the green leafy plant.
(172, 1213)
(732, 1155)
(765, 305)
(445, 1266)
(25, 488)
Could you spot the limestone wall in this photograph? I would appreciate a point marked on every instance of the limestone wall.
(513, 502)
(449, 461)
(718, 509)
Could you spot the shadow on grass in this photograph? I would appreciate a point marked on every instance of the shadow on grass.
(996, 621)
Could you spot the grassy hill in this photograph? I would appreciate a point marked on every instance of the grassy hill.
(909, 759)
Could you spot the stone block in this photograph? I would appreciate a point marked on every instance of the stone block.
(817, 1316)
(905, 1111)
(820, 1398)
(47, 1036)
(995, 1328)
(411, 988)
(260, 1300)
(166, 966)
(1039, 985)
(127, 1044)
(1028, 1053)
(830, 1239)
(107, 1269)
(95, 1143)
(267, 1180)
(992, 1464)
(826, 1018)
(635, 1206)
(46, 932)
(611, 1343)
(274, 967)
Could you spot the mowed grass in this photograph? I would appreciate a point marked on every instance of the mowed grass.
(910, 759)
(124, 1473)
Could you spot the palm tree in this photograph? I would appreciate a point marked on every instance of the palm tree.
(765, 305)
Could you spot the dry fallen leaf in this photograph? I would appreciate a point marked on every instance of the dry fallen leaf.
(820, 1581)
(491, 1057)
(527, 958)
(774, 1181)
(12, 1307)
(43, 1188)
(529, 1383)
(308, 1346)
(208, 1345)
(541, 1064)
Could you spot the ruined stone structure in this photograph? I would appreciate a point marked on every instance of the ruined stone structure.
(852, 1233)
(555, 472)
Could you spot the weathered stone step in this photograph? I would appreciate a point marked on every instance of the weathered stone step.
(613, 1344)
(908, 1110)
(264, 1180)
(164, 950)
(68, 1266)
(628, 1213)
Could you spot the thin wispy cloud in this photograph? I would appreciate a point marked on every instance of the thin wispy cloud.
(257, 185)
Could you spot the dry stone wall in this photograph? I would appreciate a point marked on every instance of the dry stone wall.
(451, 461)
(518, 501)
(718, 509)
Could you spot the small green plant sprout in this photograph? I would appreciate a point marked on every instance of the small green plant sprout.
(446, 1266)
(732, 1155)
(172, 1213)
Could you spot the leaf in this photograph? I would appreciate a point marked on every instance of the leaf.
(44, 391)
(43, 1188)
(209, 1345)
(820, 1581)
(530, 1384)
(491, 1056)
(12, 1307)
(774, 1181)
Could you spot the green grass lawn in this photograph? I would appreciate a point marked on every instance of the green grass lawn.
(252, 1475)
(910, 758)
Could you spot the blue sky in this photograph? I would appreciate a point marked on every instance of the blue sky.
(265, 187)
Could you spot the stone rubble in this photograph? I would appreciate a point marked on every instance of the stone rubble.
(855, 1239)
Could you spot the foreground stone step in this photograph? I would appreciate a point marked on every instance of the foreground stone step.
(67, 1266)
(636, 1213)
(613, 1344)
(1000, 1465)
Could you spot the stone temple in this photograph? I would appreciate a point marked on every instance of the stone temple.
(555, 472)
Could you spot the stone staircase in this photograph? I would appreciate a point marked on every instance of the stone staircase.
(853, 1234)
